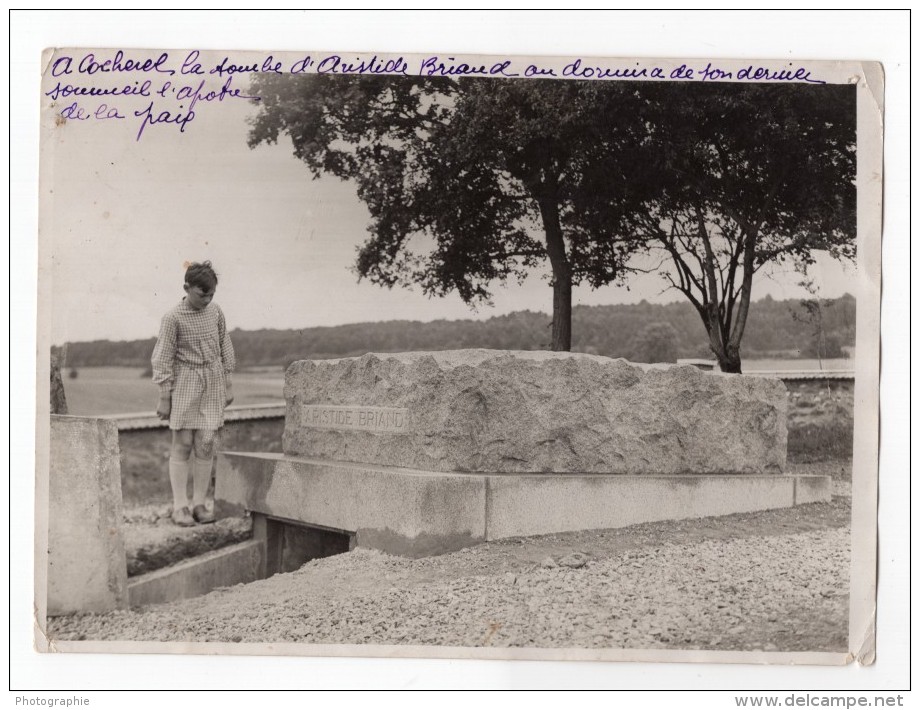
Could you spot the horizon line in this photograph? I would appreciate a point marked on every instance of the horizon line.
(766, 297)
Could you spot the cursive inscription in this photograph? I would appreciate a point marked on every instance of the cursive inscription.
(450, 66)
(166, 90)
(90, 64)
(101, 113)
(334, 64)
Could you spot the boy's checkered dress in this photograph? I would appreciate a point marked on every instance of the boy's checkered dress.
(192, 360)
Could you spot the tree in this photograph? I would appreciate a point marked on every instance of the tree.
(750, 176)
(58, 398)
(460, 176)
(656, 342)
(822, 344)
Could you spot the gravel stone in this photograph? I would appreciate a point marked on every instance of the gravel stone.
(574, 560)
(729, 583)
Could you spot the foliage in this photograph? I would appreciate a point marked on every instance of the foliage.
(461, 176)
(824, 346)
(812, 313)
(600, 330)
(828, 441)
(656, 342)
(723, 179)
(58, 398)
(750, 176)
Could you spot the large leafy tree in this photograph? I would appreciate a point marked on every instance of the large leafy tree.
(749, 176)
(469, 182)
(472, 181)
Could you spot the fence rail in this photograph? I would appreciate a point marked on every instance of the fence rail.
(149, 420)
(804, 374)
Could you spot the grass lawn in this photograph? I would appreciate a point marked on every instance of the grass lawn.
(124, 390)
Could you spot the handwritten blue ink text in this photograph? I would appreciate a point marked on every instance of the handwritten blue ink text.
(433, 66)
(89, 65)
(576, 70)
(334, 64)
(269, 65)
(78, 113)
(63, 91)
(150, 118)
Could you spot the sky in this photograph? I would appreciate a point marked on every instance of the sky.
(122, 216)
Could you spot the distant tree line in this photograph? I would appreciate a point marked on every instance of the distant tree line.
(642, 332)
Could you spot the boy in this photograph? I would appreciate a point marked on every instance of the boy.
(192, 362)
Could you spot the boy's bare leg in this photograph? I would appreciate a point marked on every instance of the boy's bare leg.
(179, 469)
(201, 473)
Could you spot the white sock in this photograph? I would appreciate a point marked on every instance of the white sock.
(178, 479)
(201, 479)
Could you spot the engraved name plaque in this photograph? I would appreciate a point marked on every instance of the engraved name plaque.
(386, 419)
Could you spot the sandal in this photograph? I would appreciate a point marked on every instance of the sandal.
(183, 517)
(202, 515)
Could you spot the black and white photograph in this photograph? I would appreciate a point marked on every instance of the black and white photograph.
(432, 355)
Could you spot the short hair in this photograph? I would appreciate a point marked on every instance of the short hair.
(201, 275)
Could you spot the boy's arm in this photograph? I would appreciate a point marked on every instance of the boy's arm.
(162, 362)
(227, 355)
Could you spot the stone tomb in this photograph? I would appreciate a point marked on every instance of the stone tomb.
(424, 453)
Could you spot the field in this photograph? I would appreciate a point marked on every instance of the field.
(125, 390)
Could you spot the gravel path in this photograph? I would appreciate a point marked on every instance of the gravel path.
(774, 580)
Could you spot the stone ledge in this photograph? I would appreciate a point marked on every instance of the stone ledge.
(419, 513)
(405, 512)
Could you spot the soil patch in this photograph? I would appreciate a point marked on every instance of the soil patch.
(154, 541)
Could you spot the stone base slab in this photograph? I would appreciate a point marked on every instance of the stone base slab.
(419, 513)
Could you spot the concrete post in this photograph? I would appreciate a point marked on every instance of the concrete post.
(86, 553)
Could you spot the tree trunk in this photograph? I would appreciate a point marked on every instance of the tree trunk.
(562, 272)
(728, 356)
(562, 311)
(730, 361)
(737, 329)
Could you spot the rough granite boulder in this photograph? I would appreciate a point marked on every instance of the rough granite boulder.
(500, 411)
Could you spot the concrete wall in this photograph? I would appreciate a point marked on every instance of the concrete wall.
(86, 551)
(229, 566)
